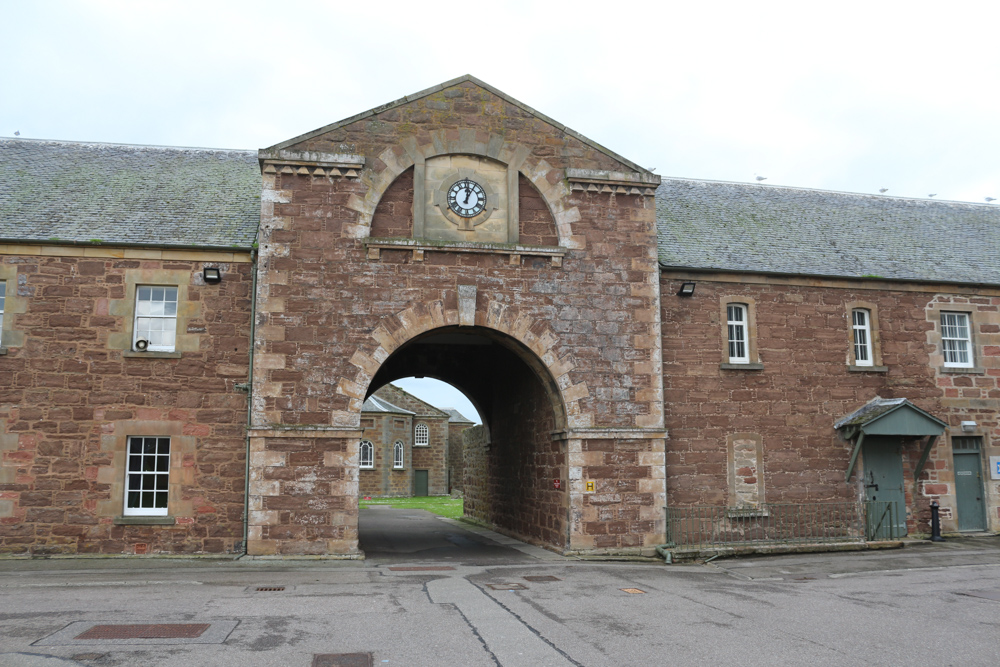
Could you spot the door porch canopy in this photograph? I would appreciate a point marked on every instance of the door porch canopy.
(889, 416)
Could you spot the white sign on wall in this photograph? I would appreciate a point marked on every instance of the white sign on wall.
(995, 467)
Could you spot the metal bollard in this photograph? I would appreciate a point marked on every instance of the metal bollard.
(936, 522)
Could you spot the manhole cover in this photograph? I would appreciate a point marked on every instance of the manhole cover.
(508, 587)
(542, 577)
(633, 591)
(342, 660)
(422, 568)
(157, 631)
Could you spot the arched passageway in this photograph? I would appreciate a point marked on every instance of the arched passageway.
(513, 462)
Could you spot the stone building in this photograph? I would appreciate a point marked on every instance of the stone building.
(404, 448)
(630, 341)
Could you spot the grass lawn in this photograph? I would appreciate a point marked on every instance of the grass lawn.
(443, 505)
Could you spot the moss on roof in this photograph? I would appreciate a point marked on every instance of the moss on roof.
(773, 229)
(119, 194)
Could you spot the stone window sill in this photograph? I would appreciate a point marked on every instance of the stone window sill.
(3, 351)
(132, 354)
(868, 369)
(755, 366)
(144, 521)
(971, 370)
(422, 446)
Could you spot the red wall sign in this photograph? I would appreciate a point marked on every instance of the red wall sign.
(557, 484)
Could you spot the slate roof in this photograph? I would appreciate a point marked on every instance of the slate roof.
(376, 404)
(870, 411)
(773, 229)
(124, 194)
(456, 417)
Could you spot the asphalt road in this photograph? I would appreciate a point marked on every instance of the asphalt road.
(922, 605)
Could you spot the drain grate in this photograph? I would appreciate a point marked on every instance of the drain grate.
(153, 631)
(508, 587)
(422, 568)
(633, 591)
(542, 577)
(269, 589)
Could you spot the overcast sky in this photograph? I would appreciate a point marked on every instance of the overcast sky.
(852, 96)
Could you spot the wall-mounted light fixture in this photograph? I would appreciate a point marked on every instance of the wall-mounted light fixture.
(211, 274)
(687, 289)
(968, 427)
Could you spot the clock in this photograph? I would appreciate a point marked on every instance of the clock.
(467, 198)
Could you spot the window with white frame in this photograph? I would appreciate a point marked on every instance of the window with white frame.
(397, 455)
(155, 318)
(862, 331)
(956, 340)
(366, 455)
(421, 436)
(3, 298)
(147, 476)
(736, 322)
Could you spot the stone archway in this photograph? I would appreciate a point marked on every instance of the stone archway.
(516, 479)
(408, 324)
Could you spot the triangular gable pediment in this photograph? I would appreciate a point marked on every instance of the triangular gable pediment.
(390, 393)
(280, 149)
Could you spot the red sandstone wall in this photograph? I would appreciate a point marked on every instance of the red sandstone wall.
(522, 463)
(805, 385)
(592, 301)
(433, 457)
(70, 396)
(384, 480)
(328, 303)
(394, 215)
(456, 456)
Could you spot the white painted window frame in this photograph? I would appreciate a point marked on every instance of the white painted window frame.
(366, 462)
(147, 475)
(738, 333)
(397, 455)
(421, 435)
(864, 352)
(954, 341)
(156, 319)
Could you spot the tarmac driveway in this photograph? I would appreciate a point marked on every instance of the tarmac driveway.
(436, 593)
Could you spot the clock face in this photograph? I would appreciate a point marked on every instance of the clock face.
(467, 198)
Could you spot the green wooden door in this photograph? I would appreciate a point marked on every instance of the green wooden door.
(420, 482)
(884, 476)
(969, 484)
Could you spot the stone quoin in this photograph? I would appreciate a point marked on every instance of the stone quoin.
(147, 407)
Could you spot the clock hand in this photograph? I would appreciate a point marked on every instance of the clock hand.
(468, 193)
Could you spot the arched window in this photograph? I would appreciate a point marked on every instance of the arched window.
(397, 455)
(366, 455)
(421, 436)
